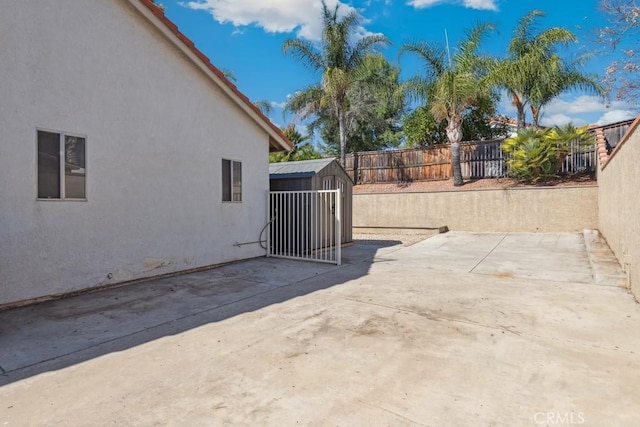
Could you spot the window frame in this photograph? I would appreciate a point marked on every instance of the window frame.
(61, 170)
(231, 177)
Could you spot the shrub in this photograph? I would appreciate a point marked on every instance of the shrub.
(536, 154)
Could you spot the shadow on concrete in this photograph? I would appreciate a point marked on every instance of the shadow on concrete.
(57, 334)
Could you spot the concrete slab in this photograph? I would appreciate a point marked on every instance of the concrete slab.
(397, 336)
(560, 257)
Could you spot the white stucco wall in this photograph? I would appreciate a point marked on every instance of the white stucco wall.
(157, 129)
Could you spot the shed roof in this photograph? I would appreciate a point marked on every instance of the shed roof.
(277, 139)
(299, 169)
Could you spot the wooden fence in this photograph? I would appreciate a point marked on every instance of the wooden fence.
(415, 164)
(478, 159)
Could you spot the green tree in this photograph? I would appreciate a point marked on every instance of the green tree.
(302, 149)
(339, 60)
(533, 73)
(265, 106)
(420, 128)
(376, 103)
(229, 75)
(451, 85)
(560, 77)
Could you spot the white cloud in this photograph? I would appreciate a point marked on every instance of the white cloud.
(274, 16)
(579, 105)
(615, 116)
(579, 110)
(472, 4)
(480, 4)
(586, 106)
(276, 104)
(561, 119)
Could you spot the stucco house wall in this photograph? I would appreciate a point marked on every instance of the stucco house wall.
(619, 204)
(157, 128)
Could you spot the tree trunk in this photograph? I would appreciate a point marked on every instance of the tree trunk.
(454, 133)
(520, 123)
(535, 114)
(455, 163)
(343, 136)
(520, 118)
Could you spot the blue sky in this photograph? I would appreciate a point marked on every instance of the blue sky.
(246, 36)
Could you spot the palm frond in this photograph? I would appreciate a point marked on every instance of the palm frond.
(434, 56)
(522, 33)
(364, 46)
(304, 52)
(306, 102)
(553, 36)
(466, 56)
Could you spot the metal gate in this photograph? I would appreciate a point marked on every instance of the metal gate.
(305, 225)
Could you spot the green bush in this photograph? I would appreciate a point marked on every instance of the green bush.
(536, 154)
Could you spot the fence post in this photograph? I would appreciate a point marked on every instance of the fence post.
(355, 167)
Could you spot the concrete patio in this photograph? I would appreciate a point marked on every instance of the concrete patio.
(459, 329)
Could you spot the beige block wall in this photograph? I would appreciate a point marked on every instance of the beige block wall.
(619, 195)
(559, 209)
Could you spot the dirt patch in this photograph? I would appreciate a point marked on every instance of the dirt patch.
(478, 184)
(505, 275)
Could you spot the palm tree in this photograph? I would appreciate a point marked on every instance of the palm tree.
(451, 86)
(533, 74)
(301, 149)
(339, 60)
(229, 75)
(264, 106)
(376, 103)
(558, 78)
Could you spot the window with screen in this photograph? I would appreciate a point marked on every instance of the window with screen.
(61, 166)
(231, 181)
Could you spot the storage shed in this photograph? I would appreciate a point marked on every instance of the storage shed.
(319, 174)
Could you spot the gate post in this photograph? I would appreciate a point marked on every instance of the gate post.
(269, 224)
(338, 226)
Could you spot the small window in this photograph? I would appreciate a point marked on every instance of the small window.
(231, 181)
(61, 166)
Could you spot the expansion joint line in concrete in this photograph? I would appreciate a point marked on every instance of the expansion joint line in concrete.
(490, 252)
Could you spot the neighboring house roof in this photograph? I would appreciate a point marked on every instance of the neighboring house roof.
(277, 141)
(511, 123)
(299, 169)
